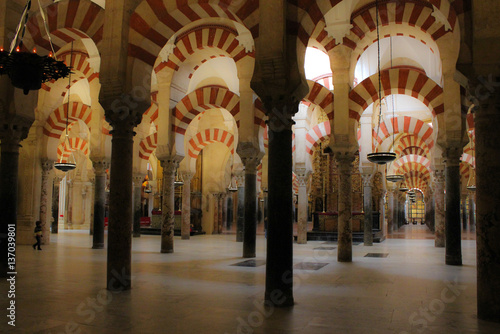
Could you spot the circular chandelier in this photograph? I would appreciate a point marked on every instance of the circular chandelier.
(395, 178)
(28, 70)
(403, 189)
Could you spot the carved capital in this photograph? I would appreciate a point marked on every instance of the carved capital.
(345, 160)
(280, 114)
(100, 166)
(186, 176)
(367, 180)
(47, 166)
(137, 178)
(14, 129)
(452, 154)
(169, 165)
(439, 176)
(124, 115)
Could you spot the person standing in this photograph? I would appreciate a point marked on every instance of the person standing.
(38, 235)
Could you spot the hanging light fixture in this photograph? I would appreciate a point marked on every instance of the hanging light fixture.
(28, 70)
(471, 184)
(403, 189)
(70, 164)
(395, 178)
(380, 158)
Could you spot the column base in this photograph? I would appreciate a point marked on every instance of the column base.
(439, 244)
(186, 237)
(136, 235)
(167, 251)
(453, 261)
(342, 259)
(278, 299)
(248, 256)
(98, 246)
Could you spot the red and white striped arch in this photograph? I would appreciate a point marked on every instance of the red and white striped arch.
(412, 144)
(409, 12)
(396, 81)
(148, 145)
(75, 144)
(412, 162)
(408, 125)
(217, 37)
(78, 61)
(295, 183)
(55, 124)
(317, 134)
(202, 99)
(416, 179)
(208, 136)
(68, 21)
(151, 112)
(465, 170)
(320, 96)
(260, 114)
(152, 24)
(468, 158)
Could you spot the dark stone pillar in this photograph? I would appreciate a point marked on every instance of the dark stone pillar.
(487, 121)
(55, 205)
(169, 165)
(344, 161)
(138, 179)
(279, 265)
(120, 198)
(439, 226)
(13, 129)
(472, 210)
(45, 199)
(250, 225)
(464, 211)
(367, 208)
(241, 208)
(186, 206)
(452, 215)
(100, 166)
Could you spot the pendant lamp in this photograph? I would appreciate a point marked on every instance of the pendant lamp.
(70, 164)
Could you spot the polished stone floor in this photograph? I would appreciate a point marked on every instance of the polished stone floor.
(199, 289)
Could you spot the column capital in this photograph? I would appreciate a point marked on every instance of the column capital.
(122, 118)
(14, 128)
(367, 179)
(169, 164)
(452, 154)
(439, 176)
(280, 114)
(302, 176)
(47, 165)
(345, 160)
(240, 178)
(250, 155)
(100, 165)
(186, 175)
(138, 178)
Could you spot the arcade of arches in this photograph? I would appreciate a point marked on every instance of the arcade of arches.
(195, 118)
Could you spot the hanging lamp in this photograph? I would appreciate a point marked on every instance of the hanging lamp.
(403, 189)
(70, 164)
(28, 70)
(380, 158)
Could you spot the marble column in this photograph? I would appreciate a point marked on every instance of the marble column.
(168, 210)
(13, 129)
(100, 166)
(344, 253)
(472, 209)
(367, 208)
(240, 180)
(55, 205)
(302, 176)
(453, 231)
(250, 224)
(216, 213)
(439, 226)
(222, 211)
(186, 206)
(463, 202)
(390, 209)
(138, 178)
(69, 204)
(279, 263)
(120, 198)
(487, 122)
(45, 199)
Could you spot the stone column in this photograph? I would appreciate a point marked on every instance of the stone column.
(472, 209)
(138, 178)
(13, 130)
(69, 205)
(439, 226)
(55, 205)
(240, 180)
(45, 199)
(120, 198)
(344, 253)
(487, 122)
(367, 208)
(452, 215)
(302, 176)
(100, 166)
(216, 214)
(250, 162)
(222, 211)
(390, 208)
(169, 165)
(186, 206)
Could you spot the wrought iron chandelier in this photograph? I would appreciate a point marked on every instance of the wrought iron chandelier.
(28, 70)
